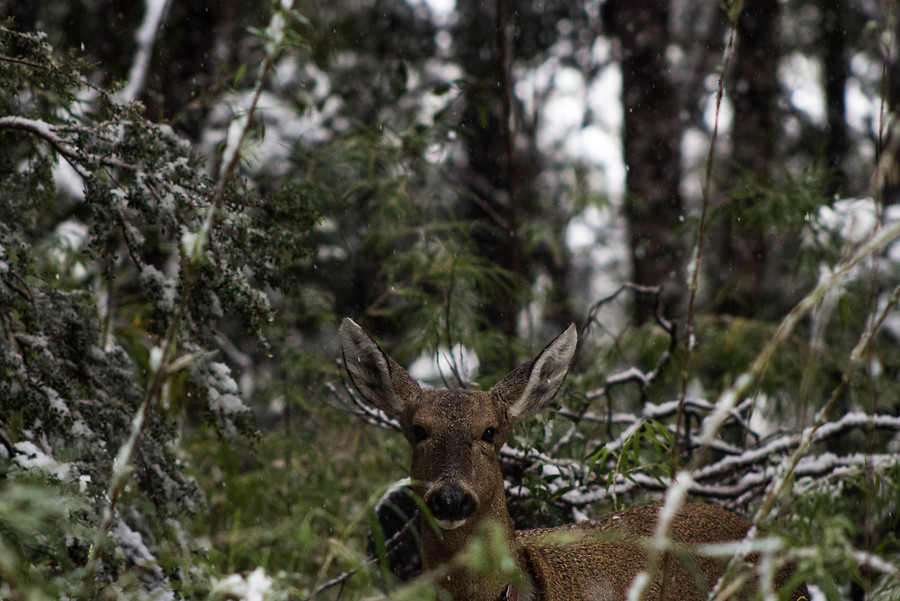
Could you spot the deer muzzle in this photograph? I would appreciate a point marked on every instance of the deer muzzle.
(451, 505)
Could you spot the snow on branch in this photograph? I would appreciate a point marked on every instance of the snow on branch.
(848, 422)
(729, 480)
(728, 494)
(352, 402)
(50, 134)
(163, 356)
(145, 36)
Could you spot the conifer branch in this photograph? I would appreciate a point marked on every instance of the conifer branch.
(194, 246)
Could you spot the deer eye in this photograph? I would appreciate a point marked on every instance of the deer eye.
(488, 435)
(419, 433)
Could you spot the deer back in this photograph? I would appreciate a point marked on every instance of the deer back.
(599, 558)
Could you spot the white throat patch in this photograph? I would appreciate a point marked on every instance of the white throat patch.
(450, 524)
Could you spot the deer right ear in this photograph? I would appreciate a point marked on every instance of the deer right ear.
(532, 385)
(379, 379)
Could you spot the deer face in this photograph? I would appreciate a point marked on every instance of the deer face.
(455, 435)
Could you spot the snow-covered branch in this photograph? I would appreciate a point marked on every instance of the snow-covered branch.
(632, 374)
(728, 480)
(729, 494)
(351, 401)
(48, 133)
(782, 444)
(60, 138)
(163, 356)
(145, 36)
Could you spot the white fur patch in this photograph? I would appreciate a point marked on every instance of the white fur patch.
(450, 524)
(547, 375)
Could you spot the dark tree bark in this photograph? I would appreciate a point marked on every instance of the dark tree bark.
(836, 70)
(653, 205)
(699, 29)
(891, 137)
(485, 132)
(894, 62)
(738, 263)
(891, 192)
(503, 162)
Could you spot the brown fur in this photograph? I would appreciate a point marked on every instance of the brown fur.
(614, 541)
(456, 437)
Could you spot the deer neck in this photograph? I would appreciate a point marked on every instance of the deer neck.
(441, 548)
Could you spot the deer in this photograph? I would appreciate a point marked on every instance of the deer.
(456, 436)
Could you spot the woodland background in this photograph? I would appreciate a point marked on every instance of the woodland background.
(193, 194)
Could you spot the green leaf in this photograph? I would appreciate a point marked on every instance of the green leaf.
(239, 76)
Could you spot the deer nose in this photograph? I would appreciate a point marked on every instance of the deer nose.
(450, 503)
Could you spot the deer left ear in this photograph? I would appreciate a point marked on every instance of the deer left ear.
(378, 378)
(532, 385)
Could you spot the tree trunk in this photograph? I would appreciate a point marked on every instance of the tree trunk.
(485, 133)
(738, 267)
(653, 205)
(834, 37)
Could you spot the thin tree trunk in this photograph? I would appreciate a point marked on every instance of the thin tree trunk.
(484, 130)
(739, 269)
(653, 205)
(834, 37)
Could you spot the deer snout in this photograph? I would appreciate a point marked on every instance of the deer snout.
(451, 505)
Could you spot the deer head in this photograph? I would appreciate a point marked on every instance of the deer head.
(456, 435)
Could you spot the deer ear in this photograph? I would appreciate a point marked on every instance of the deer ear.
(379, 379)
(532, 385)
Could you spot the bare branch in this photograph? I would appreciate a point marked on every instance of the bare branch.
(360, 408)
(633, 375)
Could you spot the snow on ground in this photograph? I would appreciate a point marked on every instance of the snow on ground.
(252, 587)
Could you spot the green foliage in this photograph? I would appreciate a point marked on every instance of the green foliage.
(489, 553)
(41, 530)
(278, 505)
(840, 511)
(368, 223)
(87, 285)
(393, 246)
